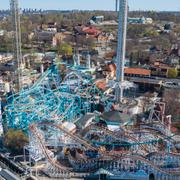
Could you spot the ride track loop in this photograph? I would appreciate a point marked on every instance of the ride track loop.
(50, 102)
(33, 128)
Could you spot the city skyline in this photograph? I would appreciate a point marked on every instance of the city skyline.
(158, 5)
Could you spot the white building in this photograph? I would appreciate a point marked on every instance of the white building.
(141, 20)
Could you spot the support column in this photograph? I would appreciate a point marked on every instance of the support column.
(88, 63)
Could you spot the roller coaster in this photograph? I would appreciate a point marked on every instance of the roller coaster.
(51, 99)
(104, 155)
(42, 109)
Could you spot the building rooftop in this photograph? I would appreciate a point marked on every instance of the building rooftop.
(133, 71)
(115, 117)
(84, 121)
(160, 65)
(91, 30)
(137, 71)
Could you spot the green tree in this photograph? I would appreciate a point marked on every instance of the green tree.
(15, 140)
(172, 73)
(65, 49)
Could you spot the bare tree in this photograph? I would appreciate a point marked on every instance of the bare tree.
(172, 99)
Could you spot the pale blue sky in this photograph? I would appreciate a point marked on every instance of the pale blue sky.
(173, 5)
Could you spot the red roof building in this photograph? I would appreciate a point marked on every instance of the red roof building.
(130, 71)
(137, 72)
(92, 30)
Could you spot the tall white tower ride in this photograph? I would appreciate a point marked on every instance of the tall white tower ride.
(121, 49)
(15, 16)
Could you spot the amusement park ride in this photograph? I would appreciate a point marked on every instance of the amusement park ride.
(42, 110)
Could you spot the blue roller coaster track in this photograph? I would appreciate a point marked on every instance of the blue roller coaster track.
(52, 99)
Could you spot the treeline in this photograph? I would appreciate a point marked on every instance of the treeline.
(75, 17)
(30, 22)
(158, 16)
(83, 16)
(71, 18)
